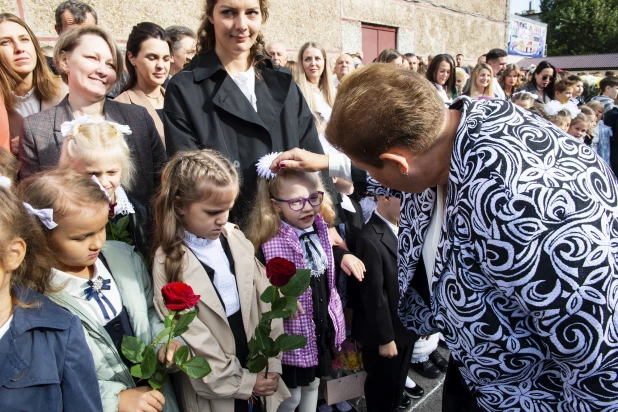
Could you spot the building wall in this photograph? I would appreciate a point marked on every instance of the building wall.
(471, 27)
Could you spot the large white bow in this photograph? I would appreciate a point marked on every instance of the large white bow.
(263, 165)
(5, 182)
(67, 127)
(46, 216)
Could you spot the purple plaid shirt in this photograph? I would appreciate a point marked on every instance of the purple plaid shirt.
(285, 244)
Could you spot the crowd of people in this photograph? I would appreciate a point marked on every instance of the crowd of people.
(435, 203)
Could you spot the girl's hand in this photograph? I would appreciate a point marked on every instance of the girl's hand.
(389, 350)
(266, 386)
(335, 239)
(299, 159)
(352, 265)
(174, 345)
(142, 399)
(300, 310)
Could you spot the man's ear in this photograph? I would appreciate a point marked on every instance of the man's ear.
(396, 157)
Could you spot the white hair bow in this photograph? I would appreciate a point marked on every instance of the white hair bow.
(523, 93)
(5, 182)
(67, 127)
(572, 109)
(46, 216)
(552, 108)
(94, 179)
(263, 166)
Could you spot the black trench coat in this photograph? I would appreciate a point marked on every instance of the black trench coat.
(204, 108)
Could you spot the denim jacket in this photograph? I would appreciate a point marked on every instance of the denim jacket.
(45, 363)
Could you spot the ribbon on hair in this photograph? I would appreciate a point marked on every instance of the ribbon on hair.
(94, 179)
(67, 127)
(5, 182)
(572, 109)
(552, 108)
(96, 286)
(263, 166)
(46, 216)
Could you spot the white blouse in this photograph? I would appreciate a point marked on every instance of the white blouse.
(246, 83)
(5, 328)
(28, 104)
(211, 253)
(123, 205)
(76, 287)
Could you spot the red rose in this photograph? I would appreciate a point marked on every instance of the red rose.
(280, 271)
(179, 296)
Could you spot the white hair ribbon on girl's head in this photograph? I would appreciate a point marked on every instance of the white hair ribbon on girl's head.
(5, 182)
(67, 127)
(572, 109)
(552, 108)
(263, 166)
(94, 179)
(46, 216)
(122, 128)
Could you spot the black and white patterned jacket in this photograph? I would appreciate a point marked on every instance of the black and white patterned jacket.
(525, 284)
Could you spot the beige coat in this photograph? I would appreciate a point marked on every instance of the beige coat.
(136, 96)
(210, 335)
(16, 120)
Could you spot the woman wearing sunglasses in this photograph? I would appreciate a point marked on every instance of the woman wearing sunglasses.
(542, 82)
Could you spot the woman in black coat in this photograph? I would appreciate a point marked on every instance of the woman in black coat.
(232, 99)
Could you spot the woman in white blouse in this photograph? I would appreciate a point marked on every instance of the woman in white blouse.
(33, 87)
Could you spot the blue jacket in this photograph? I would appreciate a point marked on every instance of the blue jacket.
(45, 364)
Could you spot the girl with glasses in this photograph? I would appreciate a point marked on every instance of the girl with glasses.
(290, 219)
(542, 82)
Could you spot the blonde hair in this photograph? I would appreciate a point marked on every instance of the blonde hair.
(89, 141)
(70, 39)
(475, 74)
(8, 165)
(325, 84)
(34, 272)
(46, 85)
(188, 177)
(64, 191)
(580, 118)
(523, 97)
(264, 220)
(595, 105)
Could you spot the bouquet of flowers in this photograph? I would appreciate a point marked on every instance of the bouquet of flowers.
(350, 357)
(181, 302)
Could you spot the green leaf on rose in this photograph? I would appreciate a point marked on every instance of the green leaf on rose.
(162, 335)
(262, 335)
(284, 307)
(257, 364)
(133, 349)
(196, 367)
(149, 364)
(269, 294)
(287, 342)
(298, 284)
(136, 370)
(252, 345)
(183, 324)
(169, 319)
(181, 355)
(266, 317)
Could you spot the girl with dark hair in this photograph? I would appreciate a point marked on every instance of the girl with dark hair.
(30, 86)
(542, 82)
(441, 72)
(509, 80)
(232, 99)
(147, 60)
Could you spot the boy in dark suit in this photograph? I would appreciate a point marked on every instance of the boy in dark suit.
(387, 344)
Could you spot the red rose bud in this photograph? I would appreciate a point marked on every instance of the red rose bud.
(280, 271)
(179, 296)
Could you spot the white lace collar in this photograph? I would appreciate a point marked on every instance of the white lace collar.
(195, 242)
(123, 205)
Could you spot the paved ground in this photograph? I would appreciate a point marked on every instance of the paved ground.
(430, 402)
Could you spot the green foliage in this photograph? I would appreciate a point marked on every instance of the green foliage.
(268, 295)
(576, 27)
(149, 364)
(298, 284)
(196, 367)
(257, 363)
(287, 342)
(133, 349)
(183, 324)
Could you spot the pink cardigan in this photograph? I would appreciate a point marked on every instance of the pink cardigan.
(286, 244)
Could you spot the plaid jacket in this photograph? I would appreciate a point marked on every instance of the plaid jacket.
(285, 244)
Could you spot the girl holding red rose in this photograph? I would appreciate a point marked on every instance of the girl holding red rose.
(290, 220)
(104, 283)
(197, 246)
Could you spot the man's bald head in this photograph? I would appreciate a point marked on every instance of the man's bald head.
(343, 65)
(277, 52)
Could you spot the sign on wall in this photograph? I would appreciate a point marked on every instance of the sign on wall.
(527, 38)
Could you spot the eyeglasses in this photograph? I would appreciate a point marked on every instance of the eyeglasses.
(299, 203)
(546, 77)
